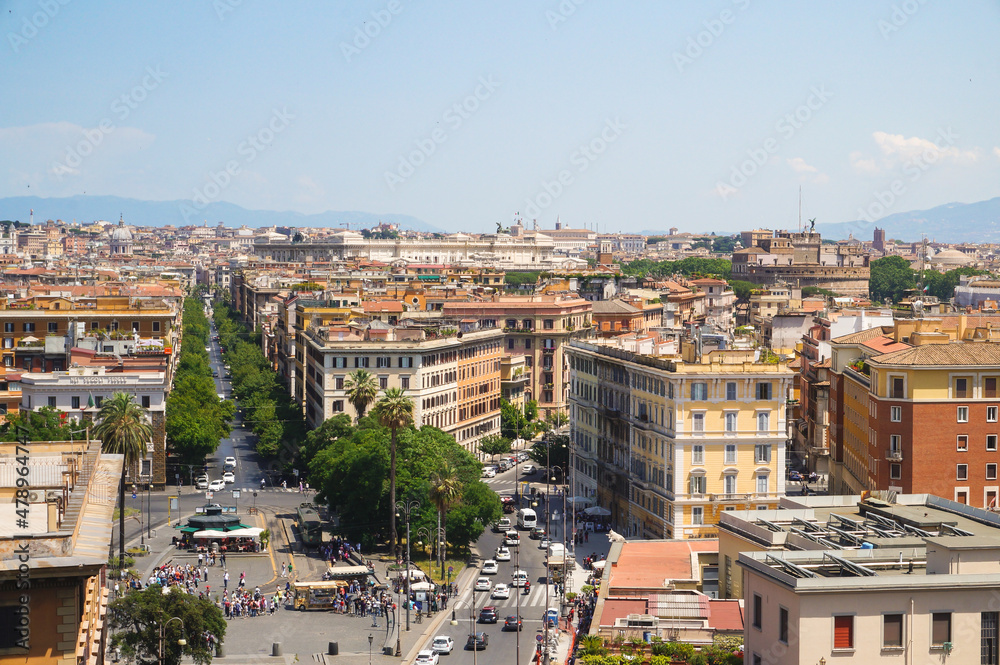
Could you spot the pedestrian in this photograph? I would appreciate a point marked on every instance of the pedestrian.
(282, 568)
(586, 537)
(284, 484)
(200, 558)
(300, 487)
(243, 579)
(204, 571)
(225, 580)
(223, 559)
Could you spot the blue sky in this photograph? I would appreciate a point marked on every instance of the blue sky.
(618, 116)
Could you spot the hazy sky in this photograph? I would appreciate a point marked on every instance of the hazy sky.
(629, 116)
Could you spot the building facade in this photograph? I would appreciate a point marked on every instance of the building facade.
(667, 444)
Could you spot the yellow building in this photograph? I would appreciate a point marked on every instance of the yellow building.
(665, 444)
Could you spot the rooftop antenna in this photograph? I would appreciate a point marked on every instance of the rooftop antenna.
(800, 208)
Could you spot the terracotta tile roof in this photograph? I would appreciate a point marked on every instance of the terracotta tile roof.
(955, 353)
(862, 336)
(725, 615)
(884, 344)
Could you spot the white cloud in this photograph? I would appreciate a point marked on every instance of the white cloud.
(996, 151)
(807, 172)
(896, 150)
(799, 165)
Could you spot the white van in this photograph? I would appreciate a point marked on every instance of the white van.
(518, 578)
(526, 518)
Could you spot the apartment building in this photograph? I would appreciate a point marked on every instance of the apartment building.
(668, 443)
(38, 331)
(720, 300)
(868, 581)
(513, 379)
(453, 377)
(74, 488)
(93, 377)
(539, 328)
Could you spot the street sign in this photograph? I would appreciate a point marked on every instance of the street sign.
(208, 495)
(538, 638)
(133, 495)
(236, 494)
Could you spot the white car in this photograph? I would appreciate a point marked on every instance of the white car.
(490, 567)
(427, 657)
(201, 482)
(503, 554)
(229, 477)
(544, 543)
(500, 591)
(489, 472)
(217, 485)
(230, 461)
(511, 538)
(483, 584)
(529, 469)
(442, 644)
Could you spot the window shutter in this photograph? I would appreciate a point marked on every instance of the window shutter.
(843, 632)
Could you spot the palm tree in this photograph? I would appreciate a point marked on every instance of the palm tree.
(123, 430)
(445, 490)
(362, 389)
(394, 410)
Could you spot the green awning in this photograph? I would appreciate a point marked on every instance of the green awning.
(429, 277)
(189, 529)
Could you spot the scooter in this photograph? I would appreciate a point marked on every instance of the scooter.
(527, 588)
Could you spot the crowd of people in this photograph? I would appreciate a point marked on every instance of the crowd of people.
(340, 550)
(242, 603)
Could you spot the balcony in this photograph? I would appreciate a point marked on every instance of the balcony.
(894, 455)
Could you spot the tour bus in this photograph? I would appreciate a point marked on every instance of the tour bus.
(526, 518)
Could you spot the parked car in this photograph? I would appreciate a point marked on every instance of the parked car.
(489, 472)
(488, 614)
(483, 584)
(500, 591)
(217, 485)
(490, 567)
(229, 477)
(477, 641)
(794, 476)
(513, 623)
(427, 657)
(442, 644)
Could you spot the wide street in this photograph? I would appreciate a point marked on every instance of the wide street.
(309, 633)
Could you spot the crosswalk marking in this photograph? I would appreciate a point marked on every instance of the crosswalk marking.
(535, 598)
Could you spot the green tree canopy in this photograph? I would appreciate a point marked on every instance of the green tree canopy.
(551, 451)
(45, 424)
(136, 617)
(890, 277)
(494, 444)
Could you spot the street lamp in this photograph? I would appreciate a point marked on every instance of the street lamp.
(562, 594)
(406, 508)
(371, 639)
(472, 623)
(182, 642)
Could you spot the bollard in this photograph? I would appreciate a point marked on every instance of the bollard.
(220, 651)
(388, 650)
(332, 649)
(276, 649)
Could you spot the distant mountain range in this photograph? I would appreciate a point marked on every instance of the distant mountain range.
(87, 209)
(952, 222)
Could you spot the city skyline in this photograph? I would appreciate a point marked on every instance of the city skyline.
(694, 116)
